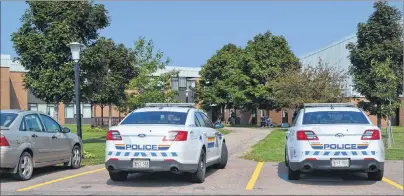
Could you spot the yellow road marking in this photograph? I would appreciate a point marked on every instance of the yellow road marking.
(254, 176)
(59, 179)
(399, 186)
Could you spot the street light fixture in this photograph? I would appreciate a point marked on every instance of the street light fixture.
(76, 48)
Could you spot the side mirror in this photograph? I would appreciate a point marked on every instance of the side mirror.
(65, 130)
(218, 126)
(285, 125)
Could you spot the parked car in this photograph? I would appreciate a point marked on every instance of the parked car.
(172, 137)
(30, 139)
(335, 137)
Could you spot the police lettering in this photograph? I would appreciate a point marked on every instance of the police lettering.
(140, 147)
(339, 146)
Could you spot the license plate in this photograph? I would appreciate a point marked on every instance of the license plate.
(340, 162)
(140, 163)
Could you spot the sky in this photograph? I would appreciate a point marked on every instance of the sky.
(191, 32)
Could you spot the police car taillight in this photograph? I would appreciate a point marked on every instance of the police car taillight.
(371, 135)
(113, 135)
(306, 135)
(176, 136)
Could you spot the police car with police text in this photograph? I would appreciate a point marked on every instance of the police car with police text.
(334, 136)
(172, 137)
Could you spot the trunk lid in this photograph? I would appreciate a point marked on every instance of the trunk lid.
(146, 137)
(338, 137)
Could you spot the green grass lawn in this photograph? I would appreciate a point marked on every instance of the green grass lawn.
(224, 131)
(94, 145)
(396, 152)
(272, 147)
(248, 126)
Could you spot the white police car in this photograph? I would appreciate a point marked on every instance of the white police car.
(333, 136)
(165, 137)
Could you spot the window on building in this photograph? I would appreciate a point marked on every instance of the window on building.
(42, 107)
(33, 107)
(86, 111)
(174, 84)
(69, 111)
(191, 83)
(182, 82)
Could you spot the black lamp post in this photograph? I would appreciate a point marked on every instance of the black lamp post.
(76, 48)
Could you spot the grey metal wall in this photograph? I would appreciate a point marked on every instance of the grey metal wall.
(335, 55)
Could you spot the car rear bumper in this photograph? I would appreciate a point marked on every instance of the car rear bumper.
(8, 158)
(154, 166)
(355, 165)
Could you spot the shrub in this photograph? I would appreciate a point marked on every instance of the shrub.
(95, 129)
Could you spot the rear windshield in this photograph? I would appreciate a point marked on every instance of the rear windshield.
(160, 117)
(6, 119)
(335, 117)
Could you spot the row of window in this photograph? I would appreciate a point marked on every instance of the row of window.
(70, 109)
(182, 83)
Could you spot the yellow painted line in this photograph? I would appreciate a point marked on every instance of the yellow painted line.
(399, 186)
(254, 176)
(59, 179)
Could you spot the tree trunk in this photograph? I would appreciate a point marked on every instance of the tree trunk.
(110, 115)
(56, 114)
(102, 115)
(379, 116)
(92, 117)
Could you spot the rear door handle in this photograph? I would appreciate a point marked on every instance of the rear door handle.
(54, 137)
(34, 135)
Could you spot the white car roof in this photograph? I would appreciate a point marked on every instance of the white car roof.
(166, 109)
(339, 109)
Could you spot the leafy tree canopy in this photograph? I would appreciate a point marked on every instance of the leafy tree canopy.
(111, 68)
(267, 55)
(149, 87)
(318, 84)
(377, 58)
(47, 27)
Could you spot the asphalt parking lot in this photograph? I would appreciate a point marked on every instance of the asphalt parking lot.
(240, 177)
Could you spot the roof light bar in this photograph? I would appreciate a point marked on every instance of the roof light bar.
(306, 105)
(186, 105)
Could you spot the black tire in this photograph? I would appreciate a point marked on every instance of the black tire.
(118, 176)
(293, 175)
(25, 167)
(376, 176)
(223, 158)
(74, 163)
(199, 175)
(286, 158)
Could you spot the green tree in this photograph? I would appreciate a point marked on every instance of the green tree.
(112, 69)
(377, 59)
(267, 55)
(222, 80)
(317, 84)
(47, 27)
(152, 84)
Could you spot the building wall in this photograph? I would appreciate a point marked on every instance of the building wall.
(5, 88)
(18, 94)
(336, 55)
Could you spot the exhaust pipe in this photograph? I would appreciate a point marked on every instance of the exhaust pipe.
(174, 170)
(372, 168)
(306, 168)
(111, 168)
